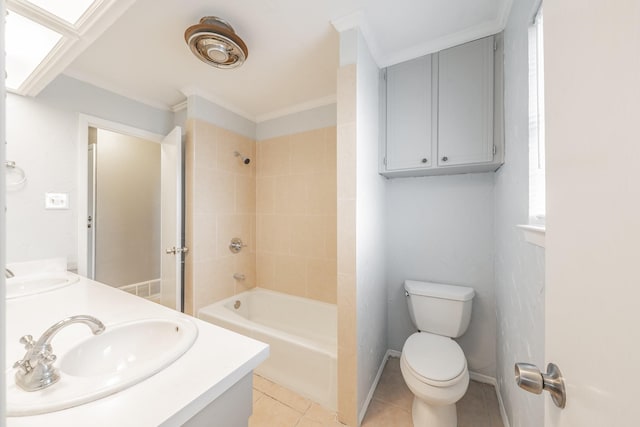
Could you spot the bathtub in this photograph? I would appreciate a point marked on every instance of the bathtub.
(301, 333)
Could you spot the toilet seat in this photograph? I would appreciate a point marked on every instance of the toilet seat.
(433, 359)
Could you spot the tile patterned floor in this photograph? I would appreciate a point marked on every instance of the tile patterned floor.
(276, 406)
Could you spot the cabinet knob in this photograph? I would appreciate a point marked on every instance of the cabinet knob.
(445, 158)
(424, 160)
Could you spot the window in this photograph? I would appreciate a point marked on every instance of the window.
(536, 122)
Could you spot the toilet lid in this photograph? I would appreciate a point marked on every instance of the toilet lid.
(433, 357)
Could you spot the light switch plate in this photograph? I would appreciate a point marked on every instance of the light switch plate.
(56, 200)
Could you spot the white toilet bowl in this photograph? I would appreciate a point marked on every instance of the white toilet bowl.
(435, 370)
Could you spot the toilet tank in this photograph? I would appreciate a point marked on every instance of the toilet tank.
(438, 308)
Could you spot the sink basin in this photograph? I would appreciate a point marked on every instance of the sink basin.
(22, 286)
(122, 356)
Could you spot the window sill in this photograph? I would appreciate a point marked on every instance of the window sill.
(534, 234)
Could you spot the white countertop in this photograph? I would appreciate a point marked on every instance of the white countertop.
(216, 361)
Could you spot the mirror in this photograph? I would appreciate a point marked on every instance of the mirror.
(49, 139)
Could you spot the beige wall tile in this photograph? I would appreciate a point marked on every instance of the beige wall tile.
(346, 162)
(265, 194)
(321, 193)
(346, 94)
(296, 209)
(307, 236)
(290, 195)
(266, 270)
(331, 138)
(308, 152)
(291, 275)
(273, 234)
(346, 237)
(274, 157)
(245, 195)
(322, 279)
(203, 243)
(220, 204)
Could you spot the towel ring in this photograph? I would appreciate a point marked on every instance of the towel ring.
(13, 169)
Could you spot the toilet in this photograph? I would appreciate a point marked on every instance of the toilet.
(432, 363)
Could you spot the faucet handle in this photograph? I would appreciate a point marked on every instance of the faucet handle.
(28, 342)
(47, 358)
(23, 365)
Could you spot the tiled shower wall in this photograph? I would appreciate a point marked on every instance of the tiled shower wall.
(296, 214)
(220, 205)
(282, 205)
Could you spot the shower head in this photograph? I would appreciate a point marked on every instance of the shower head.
(245, 160)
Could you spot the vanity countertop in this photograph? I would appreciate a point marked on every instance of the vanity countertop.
(217, 360)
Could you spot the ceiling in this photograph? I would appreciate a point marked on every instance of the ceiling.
(293, 47)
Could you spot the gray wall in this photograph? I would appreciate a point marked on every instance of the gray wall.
(519, 267)
(42, 135)
(370, 219)
(441, 229)
(41, 140)
(127, 209)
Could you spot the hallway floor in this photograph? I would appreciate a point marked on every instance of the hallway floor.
(276, 406)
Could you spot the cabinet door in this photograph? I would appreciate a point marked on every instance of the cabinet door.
(465, 103)
(409, 115)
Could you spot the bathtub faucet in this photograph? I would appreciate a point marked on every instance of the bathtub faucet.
(35, 370)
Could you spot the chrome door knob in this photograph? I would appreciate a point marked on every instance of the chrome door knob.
(529, 378)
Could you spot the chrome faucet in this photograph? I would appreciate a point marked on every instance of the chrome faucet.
(8, 274)
(35, 370)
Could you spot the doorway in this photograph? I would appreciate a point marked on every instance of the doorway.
(132, 224)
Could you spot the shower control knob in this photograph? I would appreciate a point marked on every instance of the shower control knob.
(424, 160)
(236, 245)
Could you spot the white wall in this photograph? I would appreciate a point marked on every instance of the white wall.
(41, 140)
(519, 267)
(370, 231)
(441, 229)
(42, 137)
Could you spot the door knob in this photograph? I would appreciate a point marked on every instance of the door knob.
(173, 250)
(529, 378)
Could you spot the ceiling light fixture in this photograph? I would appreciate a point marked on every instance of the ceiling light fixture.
(215, 42)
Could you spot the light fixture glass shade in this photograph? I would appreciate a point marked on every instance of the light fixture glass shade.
(27, 44)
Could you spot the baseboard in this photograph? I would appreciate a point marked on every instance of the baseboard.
(389, 353)
(486, 379)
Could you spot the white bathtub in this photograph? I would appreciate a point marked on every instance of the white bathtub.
(302, 335)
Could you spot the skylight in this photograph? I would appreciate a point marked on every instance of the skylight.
(33, 30)
(27, 44)
(69, 10)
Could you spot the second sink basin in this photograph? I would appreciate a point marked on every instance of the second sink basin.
(22, 286)
(122, 356)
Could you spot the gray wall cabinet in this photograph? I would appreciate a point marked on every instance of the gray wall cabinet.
(443, 112)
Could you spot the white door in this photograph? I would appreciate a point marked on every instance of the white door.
(172, 237)
(592, 92)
